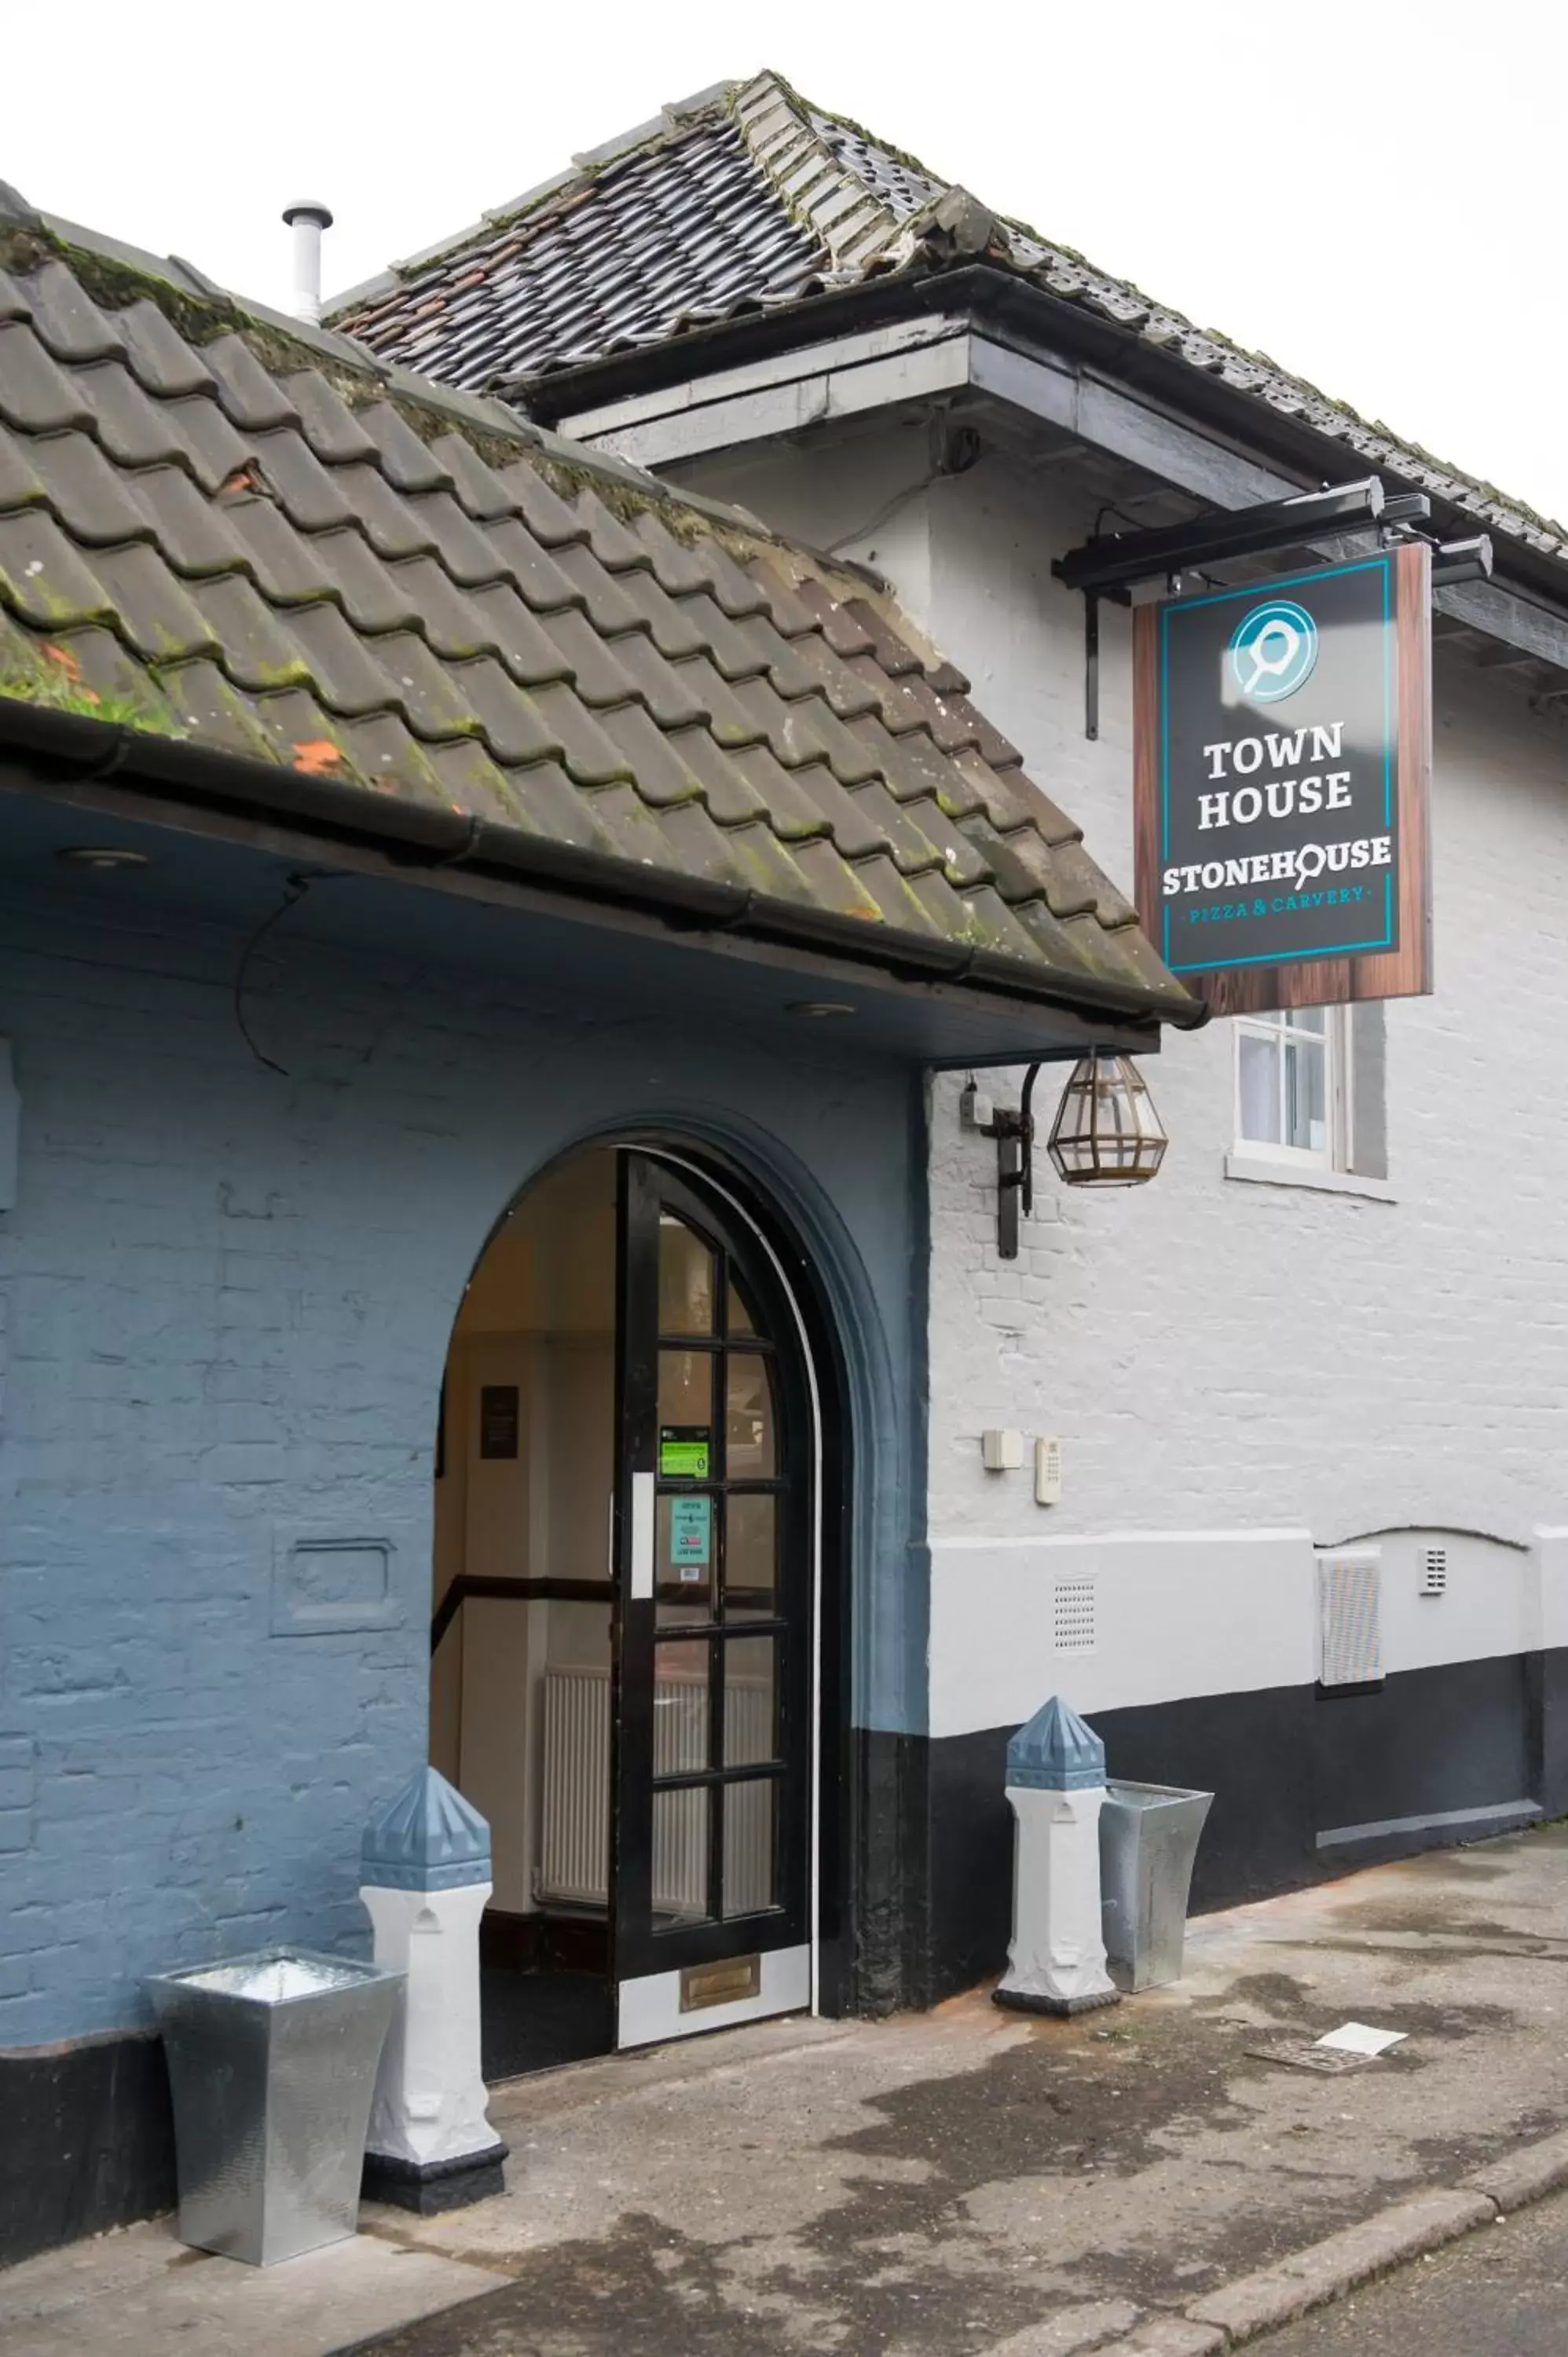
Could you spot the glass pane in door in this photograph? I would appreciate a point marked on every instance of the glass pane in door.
(751, 1701)
(751, 1847)
(685, 1399)
(751, 1556)
(741, 1320)
(750, 1438)
(688, 1287)
(681, 1709)
(681, 1823)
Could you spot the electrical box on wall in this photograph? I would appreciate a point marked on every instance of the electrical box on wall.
(1047, 1472)
(1003, 1452)
(1350, 1605)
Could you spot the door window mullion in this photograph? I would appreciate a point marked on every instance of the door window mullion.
(755, 1771)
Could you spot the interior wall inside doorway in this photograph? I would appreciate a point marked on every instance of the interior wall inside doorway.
(523, 1496)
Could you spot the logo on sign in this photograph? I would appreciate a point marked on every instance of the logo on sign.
(1273, 651)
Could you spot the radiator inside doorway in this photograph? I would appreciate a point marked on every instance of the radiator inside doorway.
(573, 1868)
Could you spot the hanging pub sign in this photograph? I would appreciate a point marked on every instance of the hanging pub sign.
(1283, 751)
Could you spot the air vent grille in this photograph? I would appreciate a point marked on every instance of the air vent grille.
(1350, 1614)
(1434, 1571)
(1073, 1627)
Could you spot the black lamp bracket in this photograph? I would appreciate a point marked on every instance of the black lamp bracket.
(1014, 1131)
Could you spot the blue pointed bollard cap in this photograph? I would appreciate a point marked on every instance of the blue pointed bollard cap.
(429, 1839)
(1057, 1752)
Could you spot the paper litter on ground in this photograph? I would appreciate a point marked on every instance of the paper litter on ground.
(1357, 2038)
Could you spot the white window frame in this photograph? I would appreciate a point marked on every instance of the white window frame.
(1339, 1095)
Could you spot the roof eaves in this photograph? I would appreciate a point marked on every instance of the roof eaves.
(97, 749)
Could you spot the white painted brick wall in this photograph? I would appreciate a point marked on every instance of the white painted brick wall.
(1214, 1354)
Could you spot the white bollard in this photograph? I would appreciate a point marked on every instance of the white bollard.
(426, 1862)
(1055, 1784)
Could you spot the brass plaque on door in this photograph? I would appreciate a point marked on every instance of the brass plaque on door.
(726, 1983)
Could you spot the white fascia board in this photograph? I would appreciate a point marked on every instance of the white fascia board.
(1098, 414)
(911, 360)
(764, 412)
(781, 409)
(758, 376)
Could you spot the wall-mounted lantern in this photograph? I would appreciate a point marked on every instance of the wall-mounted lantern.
(1106, 1132)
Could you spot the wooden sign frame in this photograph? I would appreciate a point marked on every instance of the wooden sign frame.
(1404, 971)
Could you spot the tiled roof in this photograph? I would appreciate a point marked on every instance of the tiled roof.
(748, 198)
(219, 528)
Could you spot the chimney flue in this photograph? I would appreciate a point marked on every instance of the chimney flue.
(307, 219)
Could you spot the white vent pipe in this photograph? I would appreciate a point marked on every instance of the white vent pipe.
(307, 219)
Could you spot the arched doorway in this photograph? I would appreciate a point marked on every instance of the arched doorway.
(624, 1644)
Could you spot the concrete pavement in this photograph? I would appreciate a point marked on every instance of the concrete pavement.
(967, 2183)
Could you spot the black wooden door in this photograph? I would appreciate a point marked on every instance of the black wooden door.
(715, 1523)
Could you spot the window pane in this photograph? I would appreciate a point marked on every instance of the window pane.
(749, 1428)
(1258, 1071)
(686, 1399)
(687, 1289)
(1307, 1117)
(681, 1709)
(751, 1847)
(1306, 1018)
(741, 1320)
(751, 1701)
(685, 1554)
(751, 1557)
(681, 1823)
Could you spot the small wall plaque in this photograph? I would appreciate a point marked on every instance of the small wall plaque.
(498, 1420)
(332, 1587)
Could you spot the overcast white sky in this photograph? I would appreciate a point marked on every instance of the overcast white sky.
(1371, 191)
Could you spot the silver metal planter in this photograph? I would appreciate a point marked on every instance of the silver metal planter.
(1148, 1840)
(272, 2063)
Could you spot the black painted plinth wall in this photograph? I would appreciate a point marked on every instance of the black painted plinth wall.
(86, 2140)
(1285, 1766)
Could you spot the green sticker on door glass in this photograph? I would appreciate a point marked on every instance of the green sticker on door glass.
(684, 1450)
(691, 1536)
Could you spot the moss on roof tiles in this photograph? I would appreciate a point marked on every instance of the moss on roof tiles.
(247, 641)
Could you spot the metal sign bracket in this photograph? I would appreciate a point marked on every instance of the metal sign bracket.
(1111, 564)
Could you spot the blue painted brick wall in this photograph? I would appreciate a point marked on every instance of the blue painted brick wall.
(226, 1298)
